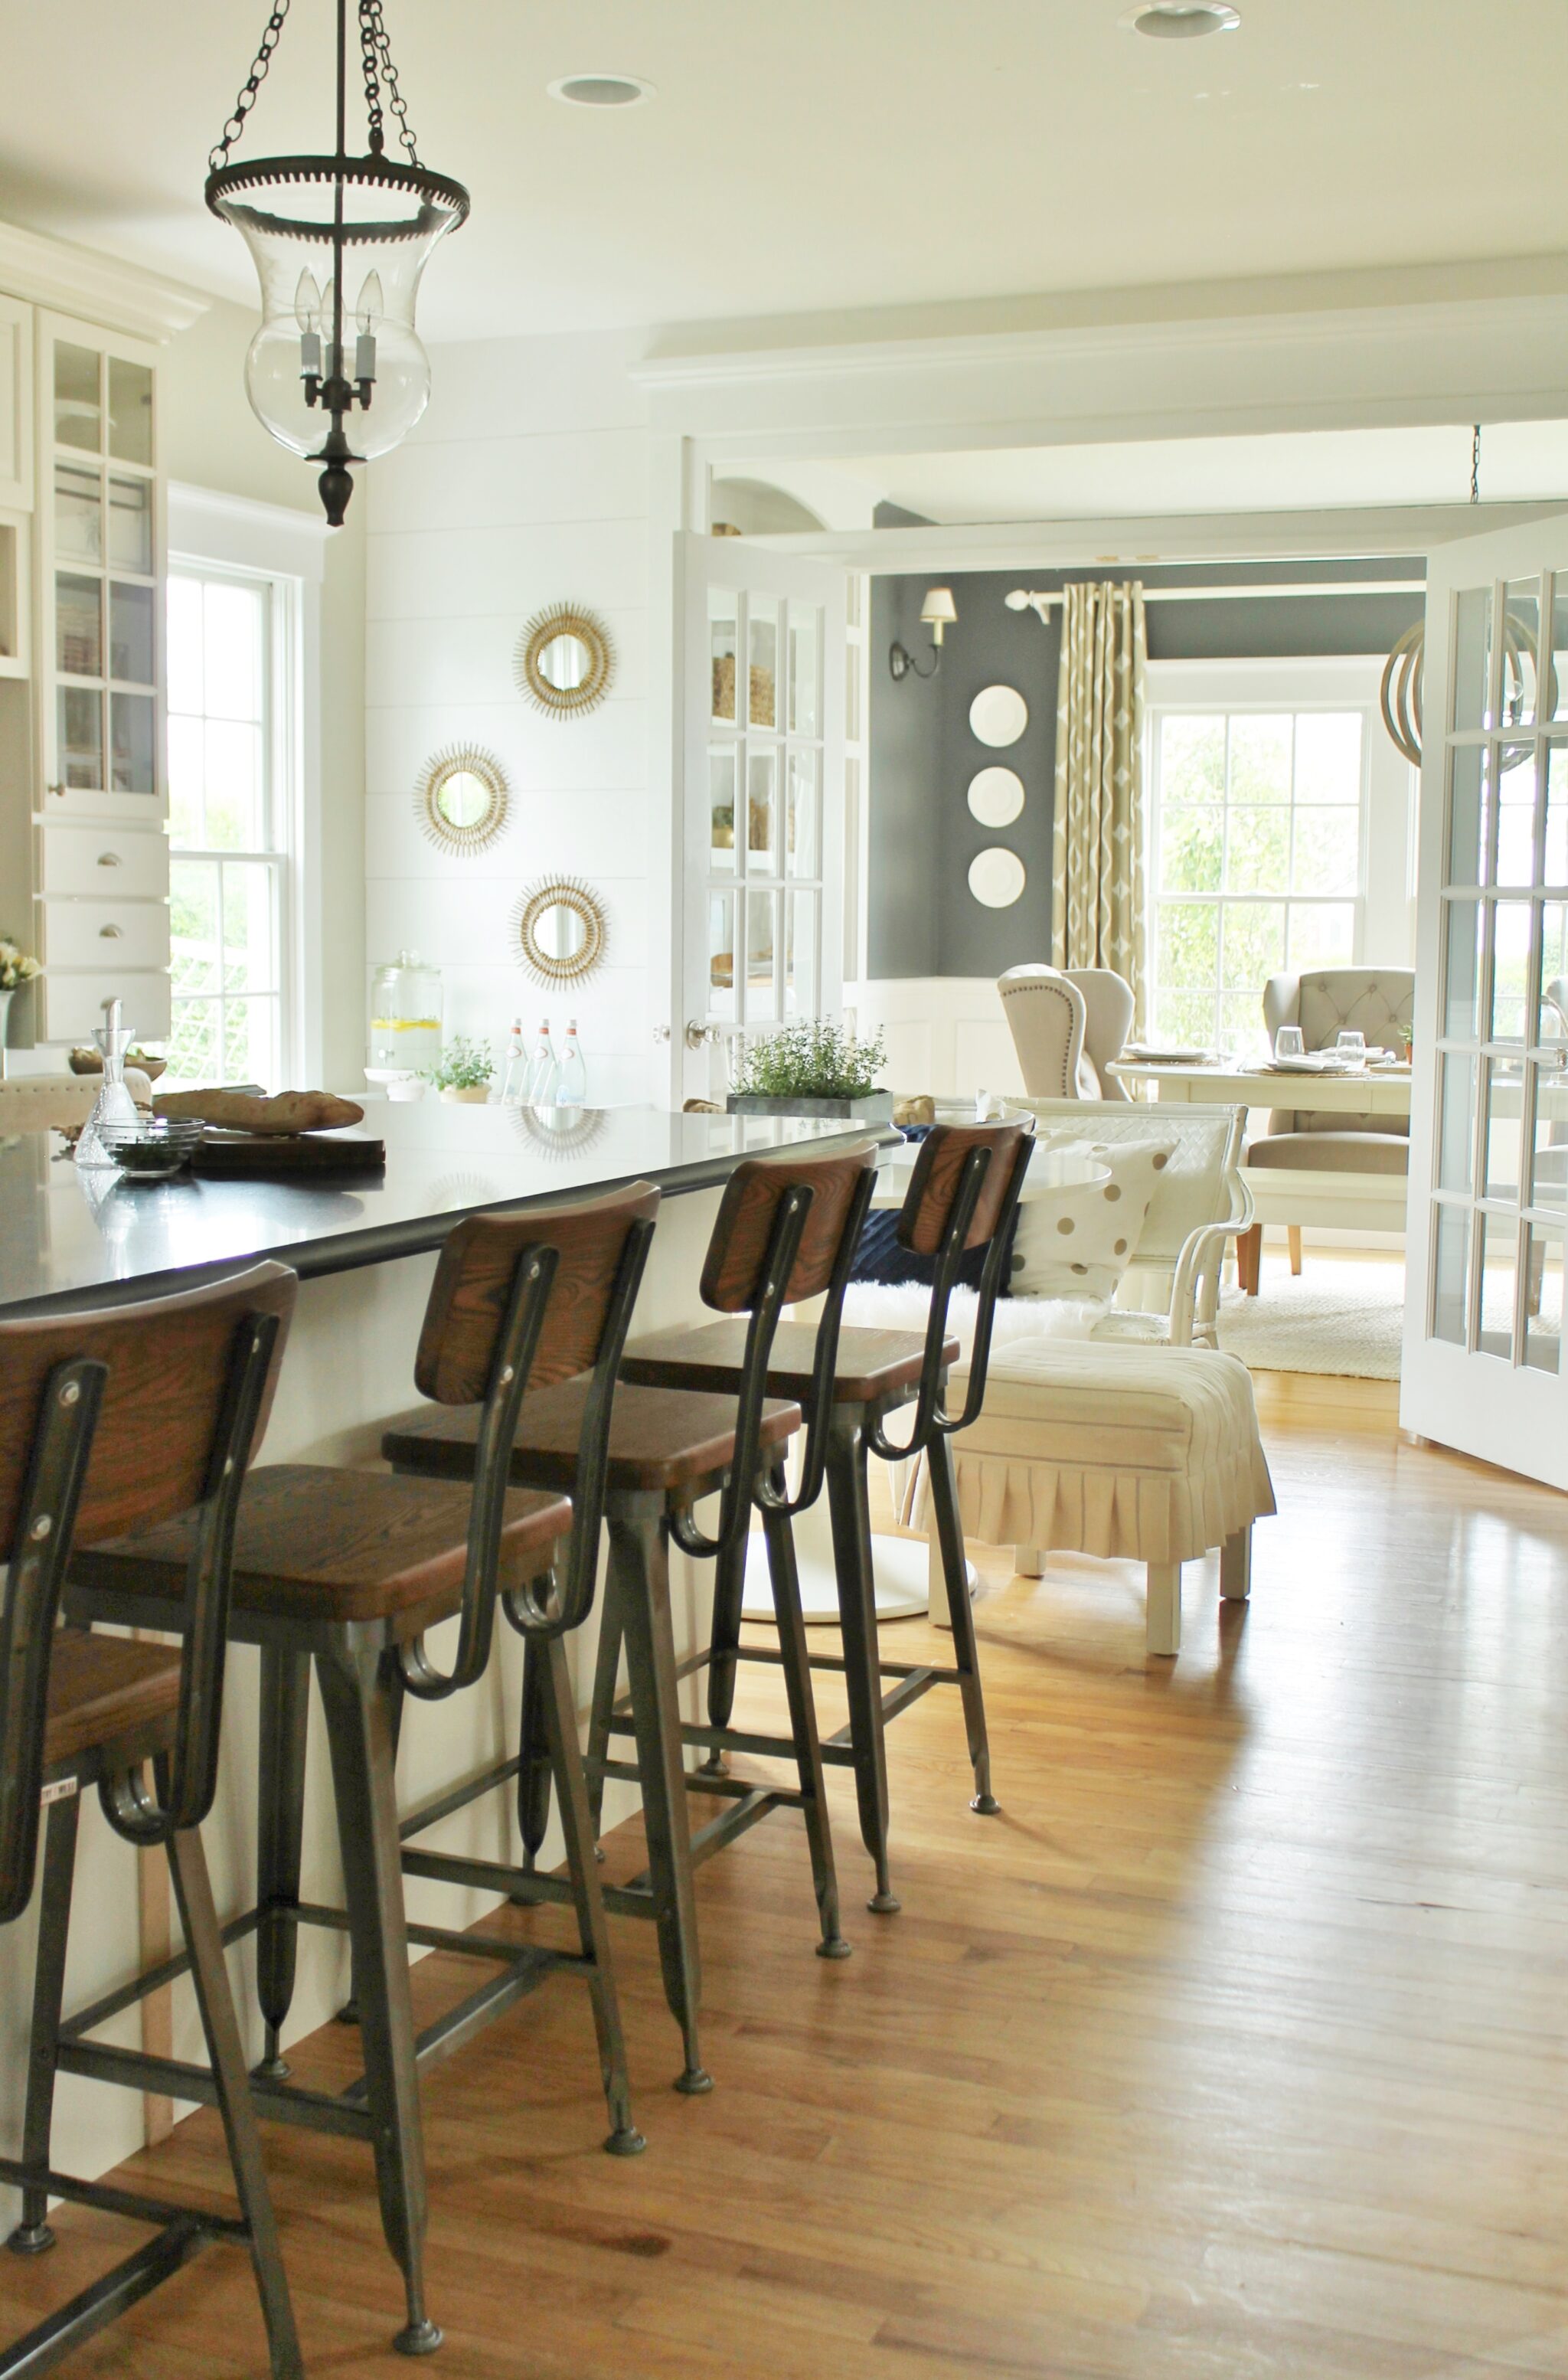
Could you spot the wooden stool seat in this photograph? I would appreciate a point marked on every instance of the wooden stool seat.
(337, 1545)
(104, 1692)
(870, 1365)
(660, 1441)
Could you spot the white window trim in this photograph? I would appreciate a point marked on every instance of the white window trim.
(1385, 914)
(212, 532)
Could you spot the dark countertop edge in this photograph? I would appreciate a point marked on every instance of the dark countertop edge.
(384, 1242)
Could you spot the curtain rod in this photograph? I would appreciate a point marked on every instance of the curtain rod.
(1028, 600)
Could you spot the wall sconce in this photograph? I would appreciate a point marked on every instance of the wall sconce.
(937, 612)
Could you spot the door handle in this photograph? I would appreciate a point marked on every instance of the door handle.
(699, 1036)
(110, 933)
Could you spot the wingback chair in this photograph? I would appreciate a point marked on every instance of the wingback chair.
(1046, 1016)
(1067, 1027)
(1108, 1020)
(1376, 1001)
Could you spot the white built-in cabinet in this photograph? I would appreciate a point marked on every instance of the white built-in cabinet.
(84, 869)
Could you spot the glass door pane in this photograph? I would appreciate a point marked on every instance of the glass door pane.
(130, 411)
(722, 629)
(81, 736)
(131, 633)
(79, 412)
(78, 513)
(130, 525)
(79, 632)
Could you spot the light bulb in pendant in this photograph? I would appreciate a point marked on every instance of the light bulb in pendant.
(368, 314)
(307, 314)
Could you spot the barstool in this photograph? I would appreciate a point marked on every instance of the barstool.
(106, 1419)
(351, 1570)
(786, 1229)
(963, 1195)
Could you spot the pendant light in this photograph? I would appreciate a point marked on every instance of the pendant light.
(336, 371)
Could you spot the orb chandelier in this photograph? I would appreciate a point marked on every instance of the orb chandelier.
(336, 371)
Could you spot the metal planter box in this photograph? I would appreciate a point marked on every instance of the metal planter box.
(871, 1106)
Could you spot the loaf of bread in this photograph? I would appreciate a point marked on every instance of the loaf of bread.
(289, 1112)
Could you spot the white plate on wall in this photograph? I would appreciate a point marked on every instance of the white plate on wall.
(999, 716)
(996, 795)
(997, 877)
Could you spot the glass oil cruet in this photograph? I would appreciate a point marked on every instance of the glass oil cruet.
(114, 1104)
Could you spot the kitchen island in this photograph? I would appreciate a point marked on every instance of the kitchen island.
(365, 1249)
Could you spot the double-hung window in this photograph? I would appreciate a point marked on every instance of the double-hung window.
(1262, 829)
(229, 820)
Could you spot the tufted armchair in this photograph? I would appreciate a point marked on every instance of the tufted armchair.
(1376, 1001)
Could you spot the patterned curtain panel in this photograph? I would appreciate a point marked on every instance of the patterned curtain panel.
(1096, 863)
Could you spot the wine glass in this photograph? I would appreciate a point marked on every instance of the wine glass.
(1351, 1047)
(1288, 1042)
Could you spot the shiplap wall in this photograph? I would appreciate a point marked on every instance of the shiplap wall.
(525, 484)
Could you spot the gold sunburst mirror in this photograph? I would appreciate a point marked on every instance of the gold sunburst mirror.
(565, 661)
(462, 798)
(560, 929)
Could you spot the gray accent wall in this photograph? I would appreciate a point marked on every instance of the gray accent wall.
(923, 918)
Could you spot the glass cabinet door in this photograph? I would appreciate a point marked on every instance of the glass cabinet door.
(101, 537)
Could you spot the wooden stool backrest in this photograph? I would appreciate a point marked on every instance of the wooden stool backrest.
(742, 1239)
(110, 1421)
(938, 1174)
(521, 1300)
(787, 1228)
(963, 1195)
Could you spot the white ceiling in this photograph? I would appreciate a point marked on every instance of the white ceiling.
(827, 154)
(1520, 462)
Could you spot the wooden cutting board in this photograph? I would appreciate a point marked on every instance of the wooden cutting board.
(309, 1155)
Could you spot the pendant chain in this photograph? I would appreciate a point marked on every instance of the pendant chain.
(380, 75)
(376, 50)
(248, 89)
(1475, 464)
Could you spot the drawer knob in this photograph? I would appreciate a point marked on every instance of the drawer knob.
(110, 933)
(109, 859)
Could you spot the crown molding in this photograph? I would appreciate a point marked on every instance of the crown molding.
(100, 288)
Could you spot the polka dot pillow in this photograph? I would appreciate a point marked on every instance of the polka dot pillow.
(1079, 1242)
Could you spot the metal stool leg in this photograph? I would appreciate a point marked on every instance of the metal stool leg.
(558, 1719)
(729, 1593)
(606, 1676)
(193, 1894)
(32, 2234)
(850, 1514)
(639, 1560)
(359, 1729)
(286, 1704)
(796, 1661)
(533, 1751)
(965, 1651)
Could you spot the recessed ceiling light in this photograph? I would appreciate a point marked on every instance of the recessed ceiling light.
(602, 90)
(1180, 21)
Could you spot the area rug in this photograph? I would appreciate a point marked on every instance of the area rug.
(1344, 1318)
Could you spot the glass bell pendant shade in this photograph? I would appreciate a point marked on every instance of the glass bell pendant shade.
(336, 371)
(337, 303)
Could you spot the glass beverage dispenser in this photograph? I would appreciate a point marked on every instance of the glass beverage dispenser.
(405, 1014)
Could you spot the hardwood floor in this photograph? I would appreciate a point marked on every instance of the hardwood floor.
(1236, 2046)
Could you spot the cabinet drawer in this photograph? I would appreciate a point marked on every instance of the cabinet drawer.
(72, 1006)
(103, 863)
(104, 934)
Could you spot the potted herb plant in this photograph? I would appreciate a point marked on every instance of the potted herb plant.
(463, 1070)
(812, 1068)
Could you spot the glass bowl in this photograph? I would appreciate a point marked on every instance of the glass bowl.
(153, 1148)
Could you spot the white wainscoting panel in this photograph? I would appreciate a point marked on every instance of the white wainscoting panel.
(944, 1034)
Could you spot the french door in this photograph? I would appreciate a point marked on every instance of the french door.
(762, 677)
(1483, 1367)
